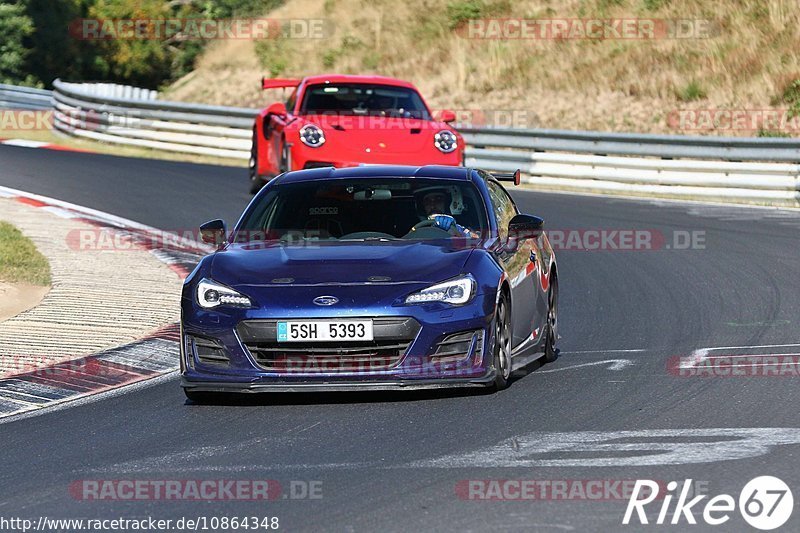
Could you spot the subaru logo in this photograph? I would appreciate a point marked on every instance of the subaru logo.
(326, 300)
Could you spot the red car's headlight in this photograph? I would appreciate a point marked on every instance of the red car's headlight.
(312, 136)
(446, 141)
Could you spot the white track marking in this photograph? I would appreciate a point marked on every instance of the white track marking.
(697, 357)
(25, 143)
(749, 355)
(649, 447)
(59, 211)
(99, 215)
(582, 449)
(660, 201)
(614, 364)
(638, 350)
(745, 365)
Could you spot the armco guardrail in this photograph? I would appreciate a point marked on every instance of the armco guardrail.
(761, 170)
(113, 90)
(161, 125)
(665, 146)
(13, 97)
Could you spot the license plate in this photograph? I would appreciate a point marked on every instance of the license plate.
(324, 330)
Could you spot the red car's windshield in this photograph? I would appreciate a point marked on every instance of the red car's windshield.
(363, 99)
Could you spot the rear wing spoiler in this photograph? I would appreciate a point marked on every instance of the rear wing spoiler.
(507, 176)
(278, 83)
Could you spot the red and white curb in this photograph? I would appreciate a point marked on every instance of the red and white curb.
(78, 378)
(146, 358)
(25, 143)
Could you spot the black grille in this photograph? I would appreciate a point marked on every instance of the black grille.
(457, 345)
(392, 336)
(209, 351)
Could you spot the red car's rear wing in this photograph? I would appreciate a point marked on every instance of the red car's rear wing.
(278, 83)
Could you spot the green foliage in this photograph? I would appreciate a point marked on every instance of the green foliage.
(15, 25)
(235, 8)
(692, 91)
(461, 11)
(273, 54)
(329, 57)
(654, 5)
(20, 261)
(771, 133)
(38, 40)
(791, 96)
(371, 60)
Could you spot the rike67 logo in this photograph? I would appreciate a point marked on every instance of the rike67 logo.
(765, 503)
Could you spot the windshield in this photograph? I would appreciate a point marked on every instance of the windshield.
(363, 99)
(365, 209)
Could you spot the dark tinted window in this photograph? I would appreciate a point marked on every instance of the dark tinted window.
(362, 208)
(363, 99)
(503, 206)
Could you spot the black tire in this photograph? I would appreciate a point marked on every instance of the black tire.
(255, 180)
(550, 350)
(501, 348)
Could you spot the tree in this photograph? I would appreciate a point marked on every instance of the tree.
(15, 25)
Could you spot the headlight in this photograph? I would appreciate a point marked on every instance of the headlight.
(445, 141)
(212, 294)
(312, 136)
(457, 292)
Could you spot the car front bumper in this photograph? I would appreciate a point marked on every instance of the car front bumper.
(250, 362)
(304, 157)
(339, 385)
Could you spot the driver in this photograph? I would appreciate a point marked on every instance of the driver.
(435, 206)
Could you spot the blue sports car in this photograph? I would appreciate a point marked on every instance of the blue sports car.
(371, 278)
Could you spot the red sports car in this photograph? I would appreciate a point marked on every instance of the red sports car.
(345, 121)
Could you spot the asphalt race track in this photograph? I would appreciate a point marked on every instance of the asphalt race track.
(400, 461)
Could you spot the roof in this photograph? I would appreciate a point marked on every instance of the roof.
(367, 171)
(346, 78)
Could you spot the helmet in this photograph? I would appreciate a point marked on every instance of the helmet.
(452, 195)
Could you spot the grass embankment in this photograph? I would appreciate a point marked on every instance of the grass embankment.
(747, 60)
(20, 261)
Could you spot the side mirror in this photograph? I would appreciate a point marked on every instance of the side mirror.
(447, 116)
(525, 227)
(278, 109)
(214, 232)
